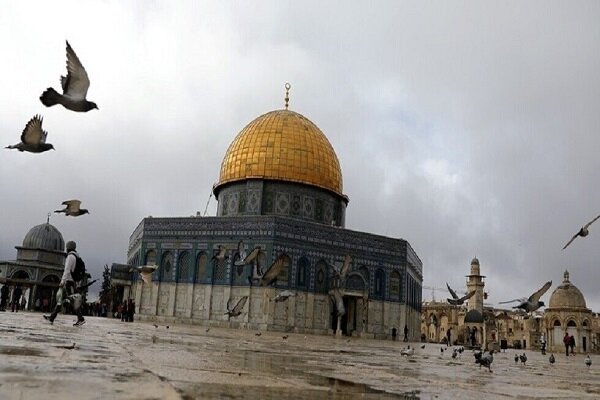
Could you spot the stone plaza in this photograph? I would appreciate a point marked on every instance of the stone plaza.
(107, 358)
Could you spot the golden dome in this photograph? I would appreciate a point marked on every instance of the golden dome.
(282, 145)
(567, 295)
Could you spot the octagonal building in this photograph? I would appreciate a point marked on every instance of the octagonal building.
(280, 201)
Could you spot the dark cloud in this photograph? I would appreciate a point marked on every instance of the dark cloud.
(467, 129)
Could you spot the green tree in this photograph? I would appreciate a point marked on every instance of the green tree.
(106, 290)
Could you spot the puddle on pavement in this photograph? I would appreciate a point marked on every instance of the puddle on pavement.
(20, 351)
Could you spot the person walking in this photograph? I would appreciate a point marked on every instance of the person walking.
(572, 344)
(67, 285)
(449, 337)
(4, 297)
(16, 298)
(406, 333)
(543, 343)
(566, 342)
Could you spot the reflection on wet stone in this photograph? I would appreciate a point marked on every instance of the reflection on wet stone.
(116, 360)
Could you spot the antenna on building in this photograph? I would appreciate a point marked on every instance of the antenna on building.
(207, 203)
(287, 94)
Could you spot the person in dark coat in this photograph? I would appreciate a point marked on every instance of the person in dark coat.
(16, 298)
(572, 344)
(3, 297)
(566, 341)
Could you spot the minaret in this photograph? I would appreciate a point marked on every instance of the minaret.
(475, 282)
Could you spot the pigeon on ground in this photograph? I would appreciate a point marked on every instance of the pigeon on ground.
(588, 361)
(485, 359)
(423, 346)
(461, 349)
(72, 208)
(458, 301)
(75, 86)
(516, 358)
(257, 334)
(552, 359)
(220, 256)
(583, 232)
(284, 337)
(283, 296)
(70, 347)
(441, 349)
(454, 353)
(146, 271)
(523, 358)
(271, 273)
(407, 352)
(156, 326)
(237, 310)
(533, 302)
(33, 138)
(207, 330)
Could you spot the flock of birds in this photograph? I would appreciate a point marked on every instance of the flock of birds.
(486, 358)
(74, 87)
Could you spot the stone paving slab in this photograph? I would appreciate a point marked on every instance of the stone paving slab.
(107, 358)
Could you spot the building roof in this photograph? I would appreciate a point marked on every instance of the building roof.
(474, 317)
(44, 236)
(282, 145)
(567, 295)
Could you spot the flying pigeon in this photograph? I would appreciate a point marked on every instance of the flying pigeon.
(220, 256)
(454, 353)
(72, 208)
(342, 271)
(33, 138)
(458, 301)
(552, 359)
(271, 274)
(339, 302)
(283, 296)
(254, 254)
(146, 271)
(523, 358)
(533, 302)
(237, 310)
(588, 361)
(75, 86)
(583, 232)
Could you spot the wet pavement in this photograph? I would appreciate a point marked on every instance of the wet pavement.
(107, 358)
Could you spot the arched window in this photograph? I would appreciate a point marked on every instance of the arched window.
(321, 277)
(220, 269)
(201, 270)
(584, 323)
(183, 267)
(165, 266)
(283, 279)
(150, 258)
(571, 323)
(556, 323)
(302, 272)
(22, 275)
(379, 283)
(395, 285)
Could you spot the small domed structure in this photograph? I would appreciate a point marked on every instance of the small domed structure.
(567, 295)
(473, 317)
(44, 237)
(567, 313)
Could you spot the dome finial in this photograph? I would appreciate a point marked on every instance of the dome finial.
(287, 94)
(48, 219)
(566, 276)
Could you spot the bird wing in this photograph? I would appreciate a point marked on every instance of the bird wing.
(569, 242)
(534, 298)
(345, 267)
(452, 292)
(591, 222)
(229, 305)
(240, 304)
(521, 300)
(467, 296)
(72, 205)
(33, 133)
(75, 85)
(253, 254)
(271, 274)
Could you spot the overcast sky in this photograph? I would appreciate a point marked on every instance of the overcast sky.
(467, 128)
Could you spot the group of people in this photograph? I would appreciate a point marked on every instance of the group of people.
(126, 310)
(18, 300)
(569, 341)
